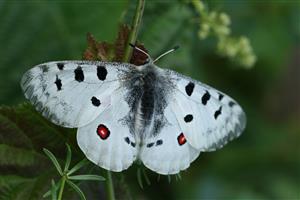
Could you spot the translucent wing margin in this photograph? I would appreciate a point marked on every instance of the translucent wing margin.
(72, 93)
(208, 118)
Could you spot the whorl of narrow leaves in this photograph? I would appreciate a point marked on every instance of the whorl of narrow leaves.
(67, 177)
(113, 52)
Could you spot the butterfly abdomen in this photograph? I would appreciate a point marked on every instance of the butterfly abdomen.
(147, 99)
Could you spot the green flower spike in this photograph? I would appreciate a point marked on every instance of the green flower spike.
(217, 24)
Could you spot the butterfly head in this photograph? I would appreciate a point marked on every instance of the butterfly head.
(149, 60)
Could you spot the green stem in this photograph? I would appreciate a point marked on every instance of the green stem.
(63, 180)
(109, 187)
(134, 29)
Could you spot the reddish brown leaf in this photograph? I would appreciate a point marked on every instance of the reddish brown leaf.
(97, 50)
(113, 52)
(104, 51)
(121, 42)
(90, 52)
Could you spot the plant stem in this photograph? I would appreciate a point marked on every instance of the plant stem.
(109, 187)
(63, 180)
(134, 29)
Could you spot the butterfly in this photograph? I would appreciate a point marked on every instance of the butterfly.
(126, 113)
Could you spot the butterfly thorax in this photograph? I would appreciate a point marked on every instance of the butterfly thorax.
(148, 90)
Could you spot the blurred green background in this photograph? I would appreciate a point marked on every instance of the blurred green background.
(264, 163)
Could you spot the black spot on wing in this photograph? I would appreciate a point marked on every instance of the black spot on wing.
(231, 103)
(132, 144)
(221, 97)
(159, 142)
(79, 76)
(58, 83)
(205, 98)
(150, 144)
(44, 68)
(101, 73)
(188, 118)
(127, 140)
(95, 101)
(60, 66)
(218, 112)
(189, 88)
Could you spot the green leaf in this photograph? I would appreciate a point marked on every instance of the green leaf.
(139, 178)
(141, 172)
(169, 178)
(68, 159)
(77, 189)
(10, 155)
(12, 134)
(8, 180)
(78, 166)
(158, 178)
(23, 133)
(54, 160)
(178, 176)
(53, 190)
(146, 176)
(49, 192)
(37, 130)
(89, 177)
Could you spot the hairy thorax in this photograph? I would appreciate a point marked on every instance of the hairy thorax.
(148, 91)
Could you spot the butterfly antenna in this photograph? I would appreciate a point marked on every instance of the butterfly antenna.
(141, 50)
(167, 52)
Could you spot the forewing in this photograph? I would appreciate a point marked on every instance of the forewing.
(107, 141)
(168, 152)
(208, 117)
(72, 93)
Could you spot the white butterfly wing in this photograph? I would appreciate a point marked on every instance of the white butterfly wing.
(208, 118)
(107, 141)
(168, 152)
(72, 93)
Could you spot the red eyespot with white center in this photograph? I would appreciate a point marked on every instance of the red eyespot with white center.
(103, 132)
(181, 139)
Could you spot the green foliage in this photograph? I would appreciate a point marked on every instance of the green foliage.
(141, 175)
(22, 152)
(67, 175)
(77, 189)
(54, 161)
(25, 170)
